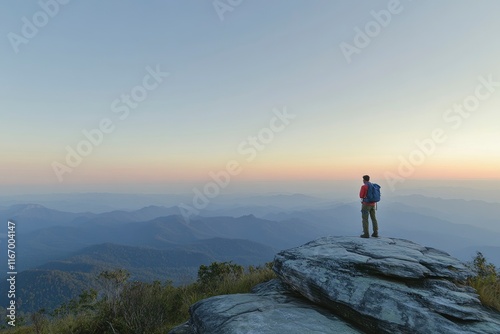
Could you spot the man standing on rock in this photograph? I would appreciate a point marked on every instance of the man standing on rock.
(367, 208)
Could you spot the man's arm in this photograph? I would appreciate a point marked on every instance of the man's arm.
(362, 191)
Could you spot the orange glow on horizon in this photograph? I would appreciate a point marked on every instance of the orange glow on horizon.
(148, 172)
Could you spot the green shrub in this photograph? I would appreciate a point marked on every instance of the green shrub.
(486, 281)
(138, 307)
(210, 277)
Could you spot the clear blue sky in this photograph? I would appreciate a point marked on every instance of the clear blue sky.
(229, 74)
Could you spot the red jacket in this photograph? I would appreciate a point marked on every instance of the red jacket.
(363, 192)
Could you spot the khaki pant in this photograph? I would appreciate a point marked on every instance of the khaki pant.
(369, 210)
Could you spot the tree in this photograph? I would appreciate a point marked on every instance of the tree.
(113, 283)
(482, 268)
(217, 272)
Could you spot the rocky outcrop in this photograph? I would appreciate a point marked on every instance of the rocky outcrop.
(271, 308)
(387, 285)
(353, 285)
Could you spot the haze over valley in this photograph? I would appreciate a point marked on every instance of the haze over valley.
(166, 243)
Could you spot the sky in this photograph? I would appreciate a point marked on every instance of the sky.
(159, 96)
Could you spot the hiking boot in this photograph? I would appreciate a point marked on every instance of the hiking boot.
(375, 234)
(366, 235)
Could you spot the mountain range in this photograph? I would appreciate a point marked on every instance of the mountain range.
(157, 243)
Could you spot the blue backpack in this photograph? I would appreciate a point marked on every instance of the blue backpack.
(373, 193)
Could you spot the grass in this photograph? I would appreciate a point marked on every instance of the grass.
(138, 307)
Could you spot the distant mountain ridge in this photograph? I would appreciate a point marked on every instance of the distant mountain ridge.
(57, 242)
(31, 217)
(459, 211)
(60, 233)
(80, 270)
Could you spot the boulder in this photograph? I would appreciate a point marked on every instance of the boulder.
(271, 308)
(386, 285)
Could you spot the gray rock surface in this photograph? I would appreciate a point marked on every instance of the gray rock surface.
(352, 285)
(387, 285)
(270, 309)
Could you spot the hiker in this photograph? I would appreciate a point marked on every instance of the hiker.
(367, 208)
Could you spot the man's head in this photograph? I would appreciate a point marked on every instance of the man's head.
(366, 178)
